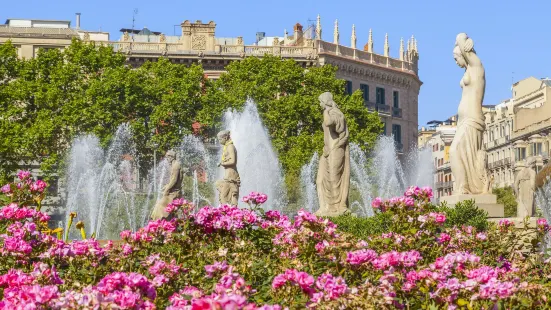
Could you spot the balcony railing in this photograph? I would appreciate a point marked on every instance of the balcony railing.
(383, 108)
(396, 112)
(444, 166)
(399, 146)
(444, 184)
(371, 106)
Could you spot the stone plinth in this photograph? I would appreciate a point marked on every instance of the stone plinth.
(486, 202)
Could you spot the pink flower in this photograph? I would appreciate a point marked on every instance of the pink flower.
(360, 256)
(23, 174)
(481, 236)
(6, 189)
(376, 203)
(38, 186)
(542, 224)
(444, 238)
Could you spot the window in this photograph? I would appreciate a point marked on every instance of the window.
(349, 87)
(365, 90)
(397, 133)
(536, 149)
(380, 98)
(395, 97)
(520, 153)
(384, 128)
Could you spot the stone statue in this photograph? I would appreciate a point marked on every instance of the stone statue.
(467, 158)
(172, 190)
(525, 183)
(333, 179)
(228, 188)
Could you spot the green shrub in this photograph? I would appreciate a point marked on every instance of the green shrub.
(363, 227)
(465, 213)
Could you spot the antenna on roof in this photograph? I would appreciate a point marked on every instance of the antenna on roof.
(133, 21)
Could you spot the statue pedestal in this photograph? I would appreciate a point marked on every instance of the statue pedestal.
(486, 202)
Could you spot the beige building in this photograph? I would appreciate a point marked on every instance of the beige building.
(532, 121)
(497, 137)
(31, 35)
(442, 134)
(390, 85)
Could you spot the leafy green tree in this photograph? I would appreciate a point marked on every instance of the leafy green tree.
(506, 197)
(287, 98)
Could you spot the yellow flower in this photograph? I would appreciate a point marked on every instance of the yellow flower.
(80, 225)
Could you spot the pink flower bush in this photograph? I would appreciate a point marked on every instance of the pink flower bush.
(255, 198)
(229, 218)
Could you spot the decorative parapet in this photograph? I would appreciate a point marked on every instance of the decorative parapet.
(307, 51)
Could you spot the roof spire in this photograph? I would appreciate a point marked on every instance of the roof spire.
(387, 47)
(353, 38)
(318, 28)
(370, 42)
(402, 49)
(336, 33)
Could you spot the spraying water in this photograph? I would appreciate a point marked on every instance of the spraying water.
(257, 162)
(308, 181)
(102, 186)
(380, 175)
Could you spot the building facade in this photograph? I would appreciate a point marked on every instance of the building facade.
(390, 85)
(440, 143)
(532, 122)
(497, 142)
(31, 35)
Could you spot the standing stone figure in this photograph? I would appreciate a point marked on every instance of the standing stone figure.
(525, 183)
(228, 188)
(172, 190)
(333, 180)
(467, 158)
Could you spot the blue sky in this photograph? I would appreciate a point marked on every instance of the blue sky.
(509, 36)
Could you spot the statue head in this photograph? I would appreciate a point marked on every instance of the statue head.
(463, 45)
(170, 155)
(223, 136)
(326, 100)
(530, 162)
(459, 59)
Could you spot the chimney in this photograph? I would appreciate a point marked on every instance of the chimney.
(260, 36)
(298, 31)
(78, 21)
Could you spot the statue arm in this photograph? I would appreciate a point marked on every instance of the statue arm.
(229, 160)
(174, 172)
(327, 119)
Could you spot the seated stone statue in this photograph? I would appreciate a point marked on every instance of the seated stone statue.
(228, 187)
(172, 190)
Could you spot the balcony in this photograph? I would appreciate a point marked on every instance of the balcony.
(371, 106)
(399, 147)
(397, 112)
(448, 184)
(444, 166)
(383, 109)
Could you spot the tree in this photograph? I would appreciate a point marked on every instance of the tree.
(287, 98)
(48, 100)
(506, 197)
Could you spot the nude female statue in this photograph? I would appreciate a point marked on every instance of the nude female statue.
(467, 157)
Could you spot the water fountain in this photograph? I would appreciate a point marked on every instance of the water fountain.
(378, 175)
(102, 186)
(543, 203)
(257, 163)
(308, 175)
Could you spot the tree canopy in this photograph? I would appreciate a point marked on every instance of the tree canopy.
(48, 100)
